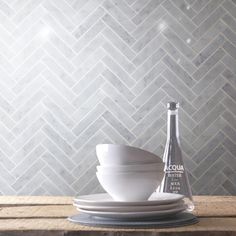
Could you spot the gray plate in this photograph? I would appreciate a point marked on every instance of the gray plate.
(177, 220)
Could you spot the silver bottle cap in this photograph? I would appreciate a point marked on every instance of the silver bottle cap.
(172, 105)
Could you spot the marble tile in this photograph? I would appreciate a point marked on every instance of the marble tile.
(210, 76)
(78, 73)
(209, 63)
(118, 29)
(179, 71)
(210, 21)
(179, 16)
(179, 44)
(146, 10)
(206, 10)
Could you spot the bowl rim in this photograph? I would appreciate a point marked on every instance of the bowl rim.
(131, 148)
(105, 168)
(126, 146)
(158, 164)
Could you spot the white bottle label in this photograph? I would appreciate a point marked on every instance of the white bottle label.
(174, 173)
(175, 168)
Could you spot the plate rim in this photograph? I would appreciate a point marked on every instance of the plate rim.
(129, 208)
(131, 223)
(82, 200)
(133, 214)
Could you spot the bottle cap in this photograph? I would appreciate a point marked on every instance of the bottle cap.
(172, 105)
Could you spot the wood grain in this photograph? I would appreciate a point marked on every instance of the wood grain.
(43, 211)
(205, 224)
(47, 216)
(35, 200)
(215, 205)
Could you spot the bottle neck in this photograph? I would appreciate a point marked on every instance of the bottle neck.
(172, 124)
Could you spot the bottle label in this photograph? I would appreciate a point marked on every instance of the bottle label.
(175, 168)
(174, 174)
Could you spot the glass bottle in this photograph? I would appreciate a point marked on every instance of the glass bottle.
(175, 179)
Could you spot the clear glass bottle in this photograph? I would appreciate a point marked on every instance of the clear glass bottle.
(175, 179)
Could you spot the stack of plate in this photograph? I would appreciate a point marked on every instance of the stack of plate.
(158, 206)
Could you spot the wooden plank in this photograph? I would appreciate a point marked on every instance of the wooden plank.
(47, 216)
(205, 225)
(35, 200)
(201, 198)
(43, 211)
(46, 207)
(59, 200)
(202, 209)
(215, 206)
(97, 233)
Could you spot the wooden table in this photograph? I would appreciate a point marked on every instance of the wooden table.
(47, 216)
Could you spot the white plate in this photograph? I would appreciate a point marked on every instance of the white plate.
(132, 215)
(104, 199)
(131, 208)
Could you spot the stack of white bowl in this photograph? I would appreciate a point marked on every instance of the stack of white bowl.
(128, 173)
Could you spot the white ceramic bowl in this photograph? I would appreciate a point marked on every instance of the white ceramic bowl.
(113, 154)
(127, 168)
(131, 186)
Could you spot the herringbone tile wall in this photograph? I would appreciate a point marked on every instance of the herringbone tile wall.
(75, 73)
